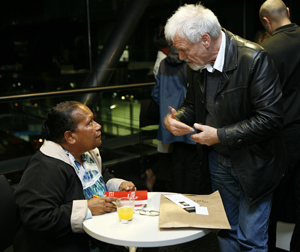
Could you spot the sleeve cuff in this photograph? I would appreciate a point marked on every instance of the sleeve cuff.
(114, 184)
(79, 212)
(88, 214)
(221, 135)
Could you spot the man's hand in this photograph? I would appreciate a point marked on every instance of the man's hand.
(208, 135)
(102, 205)
(174, 126)
(127, 186)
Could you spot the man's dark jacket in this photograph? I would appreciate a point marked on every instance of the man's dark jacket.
(283, 48)
(249, 111)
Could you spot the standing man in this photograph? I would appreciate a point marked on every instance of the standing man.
(234, 100)
(284, 48)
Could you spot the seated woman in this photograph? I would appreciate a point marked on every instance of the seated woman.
(55, 194)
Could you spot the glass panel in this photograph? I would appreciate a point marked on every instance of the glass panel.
(117, 111)
(52, 45)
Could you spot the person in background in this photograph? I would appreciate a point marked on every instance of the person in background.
(162, 165)
(170, 89)
(260, 36)
(162, 45)
(55, 194)
(234, 101)
(284, 48)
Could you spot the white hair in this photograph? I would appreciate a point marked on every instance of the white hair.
(192, 21)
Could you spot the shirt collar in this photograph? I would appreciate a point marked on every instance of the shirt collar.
(219, 63)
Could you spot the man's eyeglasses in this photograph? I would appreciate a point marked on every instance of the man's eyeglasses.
(147, 212)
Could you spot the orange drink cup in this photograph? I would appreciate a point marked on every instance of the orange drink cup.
(125, 208)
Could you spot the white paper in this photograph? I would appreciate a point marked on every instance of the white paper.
(185, 202)
(201, 210)
(181, 200)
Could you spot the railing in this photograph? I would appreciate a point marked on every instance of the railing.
(72, 92)
(117, 109)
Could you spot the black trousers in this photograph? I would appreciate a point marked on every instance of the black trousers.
(185, 168)
(286, 199)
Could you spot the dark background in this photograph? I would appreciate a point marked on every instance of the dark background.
(47, 44)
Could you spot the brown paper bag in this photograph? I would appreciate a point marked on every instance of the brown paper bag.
(173, 216)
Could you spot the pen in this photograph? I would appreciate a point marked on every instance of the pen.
(96, 196)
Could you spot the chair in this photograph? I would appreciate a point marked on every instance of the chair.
(8, 217)
(148, 130)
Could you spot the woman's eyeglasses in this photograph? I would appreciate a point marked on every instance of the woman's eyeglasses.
(147, 212)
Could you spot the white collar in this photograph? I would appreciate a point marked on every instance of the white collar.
(219, 63)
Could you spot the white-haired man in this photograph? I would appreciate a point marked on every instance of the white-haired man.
(234, 100)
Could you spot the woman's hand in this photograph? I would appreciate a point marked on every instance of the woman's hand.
(102, 205)
(127, 186)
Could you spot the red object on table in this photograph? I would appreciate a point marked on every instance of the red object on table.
(140, 197)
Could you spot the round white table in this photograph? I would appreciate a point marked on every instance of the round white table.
(143, 231)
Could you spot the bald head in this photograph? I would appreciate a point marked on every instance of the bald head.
(273, 14)
(274, 9)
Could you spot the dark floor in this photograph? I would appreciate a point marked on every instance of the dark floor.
(207, 243)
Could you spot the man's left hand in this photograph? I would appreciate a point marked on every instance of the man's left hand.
(208, 135)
